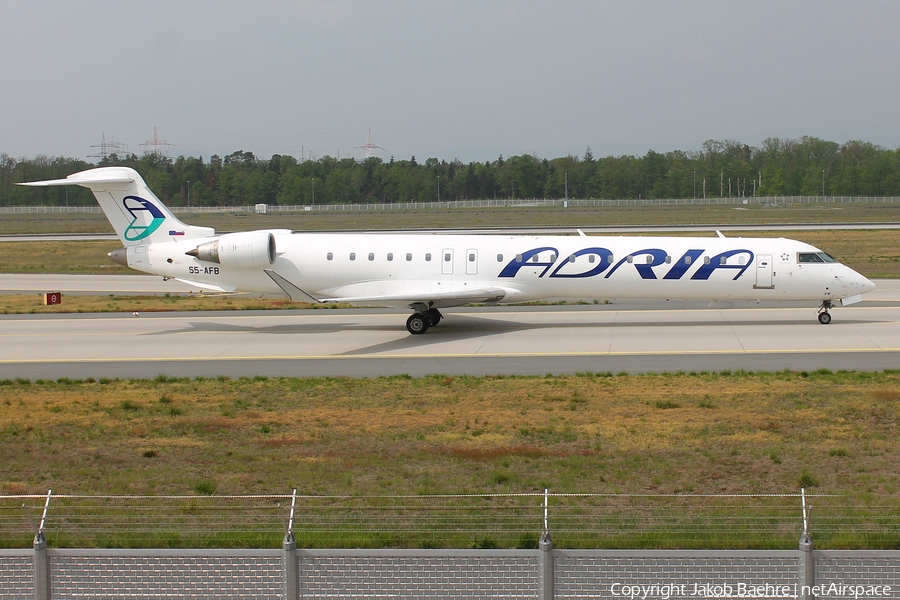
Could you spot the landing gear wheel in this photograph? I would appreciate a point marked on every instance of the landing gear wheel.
(824, 316)
(417, 324)
(434, 316)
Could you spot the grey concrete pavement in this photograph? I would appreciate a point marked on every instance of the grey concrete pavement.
(532, 340)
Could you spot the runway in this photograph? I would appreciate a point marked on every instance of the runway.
(623, 336)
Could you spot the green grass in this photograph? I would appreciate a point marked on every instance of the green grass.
(351, 447)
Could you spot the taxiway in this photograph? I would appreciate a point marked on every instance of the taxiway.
(628, 336)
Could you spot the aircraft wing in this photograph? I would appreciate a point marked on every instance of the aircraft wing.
(207, 286)
(431, 299)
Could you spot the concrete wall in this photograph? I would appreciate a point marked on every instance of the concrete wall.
(418, 573)
(593, 573)
(258, 574)
(17, 574)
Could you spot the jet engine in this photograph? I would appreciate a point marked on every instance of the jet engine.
(247, 249)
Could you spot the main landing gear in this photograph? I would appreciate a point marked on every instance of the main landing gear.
(824, 315)
(419, 322)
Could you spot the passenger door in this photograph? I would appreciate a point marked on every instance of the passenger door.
(765, 272)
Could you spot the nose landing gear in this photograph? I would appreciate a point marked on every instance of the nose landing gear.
(824, 315)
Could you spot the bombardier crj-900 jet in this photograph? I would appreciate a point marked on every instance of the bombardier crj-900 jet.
(426, 272)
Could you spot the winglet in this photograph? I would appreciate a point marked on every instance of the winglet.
(296, 294)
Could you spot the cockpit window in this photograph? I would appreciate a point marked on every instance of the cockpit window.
(815, 257)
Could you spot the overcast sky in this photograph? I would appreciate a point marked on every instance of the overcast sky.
(468, 79)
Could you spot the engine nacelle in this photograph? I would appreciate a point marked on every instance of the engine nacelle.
(246, 249)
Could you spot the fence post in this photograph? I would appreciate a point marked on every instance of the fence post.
(546, 573)
(41, 568)
(41, 560)
(806, 563)
(291, 565)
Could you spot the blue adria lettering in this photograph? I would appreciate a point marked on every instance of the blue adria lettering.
(601, 264)
(726, 260)
(525, 259)
(644, 261)
(644, 267)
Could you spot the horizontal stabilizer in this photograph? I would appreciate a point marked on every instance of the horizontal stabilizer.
(85, 181)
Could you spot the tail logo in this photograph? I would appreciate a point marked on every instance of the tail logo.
(145, 218)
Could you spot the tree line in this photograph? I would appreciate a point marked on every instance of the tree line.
(807, 166)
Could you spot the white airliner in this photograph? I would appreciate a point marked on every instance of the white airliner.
(425, 272)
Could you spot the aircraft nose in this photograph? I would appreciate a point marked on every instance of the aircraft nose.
(866, 285)
(860, 282)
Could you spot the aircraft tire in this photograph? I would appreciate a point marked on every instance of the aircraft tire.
(417, 324)
(824, 318)
(434, 316)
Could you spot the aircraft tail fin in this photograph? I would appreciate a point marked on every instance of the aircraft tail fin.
(137, 215)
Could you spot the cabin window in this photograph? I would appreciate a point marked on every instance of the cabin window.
(371, 256)
(518, 257)
(706, 260)
(428, 257)
(611, 259)
(649, 259)
(591, 258)
(472, 257)
(408, 256)
(571, 258)
(723, 260)
(536, 258)
(330, 256)
(629, 258)
(687, 260)
(353, 256)
(553, 258)
(668, 260)
(390, 256)
(742, 260)
(446, 257)
(499, 258)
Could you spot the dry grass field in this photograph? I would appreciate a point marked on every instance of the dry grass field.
(33, 303)
(707, 433)
(669, 433)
